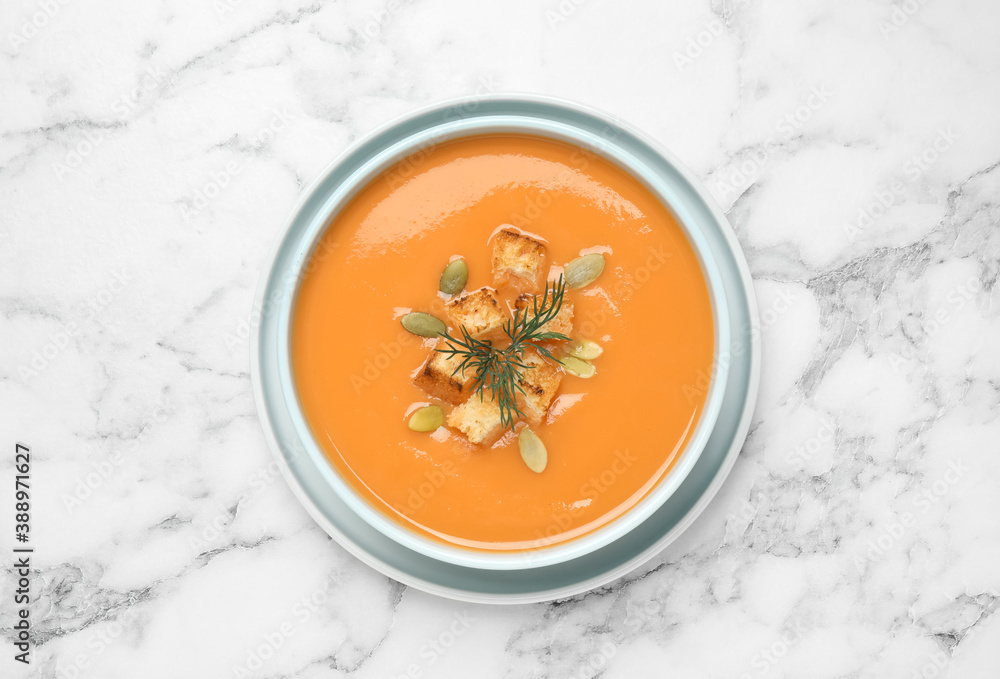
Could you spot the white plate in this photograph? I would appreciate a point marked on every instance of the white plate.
(308, 473)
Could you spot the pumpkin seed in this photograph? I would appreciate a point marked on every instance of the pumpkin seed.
(423, 324)
(585, 349)
(454, 277)
(578, 367)
(583, 271)
(427, 418)
(532, 450)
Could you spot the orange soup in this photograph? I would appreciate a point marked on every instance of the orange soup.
(609, 438)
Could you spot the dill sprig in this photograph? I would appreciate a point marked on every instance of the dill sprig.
(498, 369)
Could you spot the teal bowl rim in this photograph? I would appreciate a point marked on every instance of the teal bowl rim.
(452, 120)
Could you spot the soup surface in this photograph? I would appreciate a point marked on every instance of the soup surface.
(610, 438)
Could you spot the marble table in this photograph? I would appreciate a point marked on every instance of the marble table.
(149, 153)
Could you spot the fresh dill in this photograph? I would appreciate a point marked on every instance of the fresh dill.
(498, 369)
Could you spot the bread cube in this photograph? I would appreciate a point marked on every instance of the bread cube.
(540, 383)
(562, 323)
(437, 377)
(517, 260)
(480, 312)
(478, 418)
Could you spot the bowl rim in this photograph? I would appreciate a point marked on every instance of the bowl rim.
(446, 130)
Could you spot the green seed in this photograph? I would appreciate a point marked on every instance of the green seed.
(423, 324)
(532, 450)
(583, 271)
(585, 349)
(454, 277)
(427, 418)
(578, 367)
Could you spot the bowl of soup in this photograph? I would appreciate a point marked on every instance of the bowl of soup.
(502, 339)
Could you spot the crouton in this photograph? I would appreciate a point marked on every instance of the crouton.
(517, 260)
(562, 323)
(478, 418)
(437, 377)
(480, 312)
(540, 383)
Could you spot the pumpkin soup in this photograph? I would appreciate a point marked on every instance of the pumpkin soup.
(505, 344)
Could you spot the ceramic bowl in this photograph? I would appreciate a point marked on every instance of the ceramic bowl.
(366, 160)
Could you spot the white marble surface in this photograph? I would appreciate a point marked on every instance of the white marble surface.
(859, 534)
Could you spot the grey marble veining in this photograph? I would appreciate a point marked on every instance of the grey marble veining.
(149, 153)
